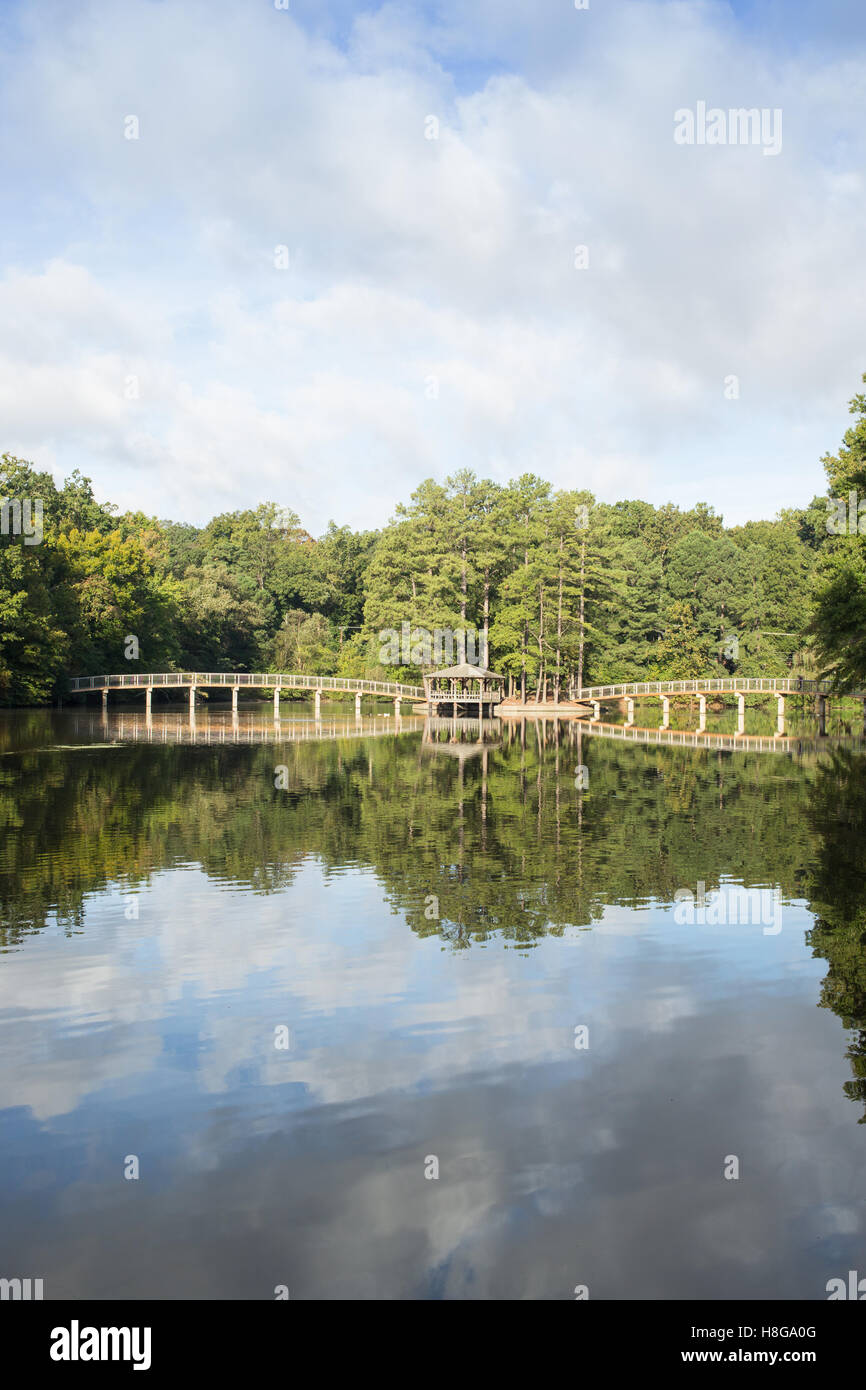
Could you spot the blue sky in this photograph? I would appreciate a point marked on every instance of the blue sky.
(431, 315)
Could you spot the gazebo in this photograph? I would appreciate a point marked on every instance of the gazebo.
(463, 687)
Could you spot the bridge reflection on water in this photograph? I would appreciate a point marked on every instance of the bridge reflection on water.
(440, 734)
(216, 727)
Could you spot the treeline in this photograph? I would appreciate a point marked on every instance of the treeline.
(249, 591)
(563, 590)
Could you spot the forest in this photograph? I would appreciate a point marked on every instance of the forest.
(564, 590)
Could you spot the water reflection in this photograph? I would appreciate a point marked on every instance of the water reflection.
(431, 915)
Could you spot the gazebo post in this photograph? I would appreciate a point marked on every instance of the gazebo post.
(463, 684)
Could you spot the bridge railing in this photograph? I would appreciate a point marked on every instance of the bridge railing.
(350, 685)
(133, 680)
(781, 685)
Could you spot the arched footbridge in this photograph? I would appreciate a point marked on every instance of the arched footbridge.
(586, 704)
(594, 696)
(236, 681)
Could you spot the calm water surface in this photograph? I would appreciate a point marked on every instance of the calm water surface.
(176, 903)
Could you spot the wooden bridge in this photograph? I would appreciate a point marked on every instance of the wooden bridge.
(235, 681)
(586, 704)
(591, 698)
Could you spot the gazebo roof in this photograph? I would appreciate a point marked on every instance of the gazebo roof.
(463, 671)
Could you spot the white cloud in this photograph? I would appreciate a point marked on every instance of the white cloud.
(412, 258)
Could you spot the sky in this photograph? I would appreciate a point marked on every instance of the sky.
(317, 254)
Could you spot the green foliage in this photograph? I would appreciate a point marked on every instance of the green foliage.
(682, 654)
(305, 643)
(838, 623)
(566, 590)
(838, 900)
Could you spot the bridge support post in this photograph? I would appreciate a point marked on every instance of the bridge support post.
(702, 713)
(629, 715)
(822, 714)
(105, 700)
(780, 714)
(317, 705)
(148, 701)
(596, 712)
(192, 699)
(235, 689)
(357, 704)
(741, 712)
(396, 706)
(666, 712)
(276, 702)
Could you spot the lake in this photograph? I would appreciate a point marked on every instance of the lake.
(369, 1012)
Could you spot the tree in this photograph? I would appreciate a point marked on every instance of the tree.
(838, 625)
(526, 515)
(682, 652)
(219, 629)
(305, 644)
(566, 591)
(706, 572)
